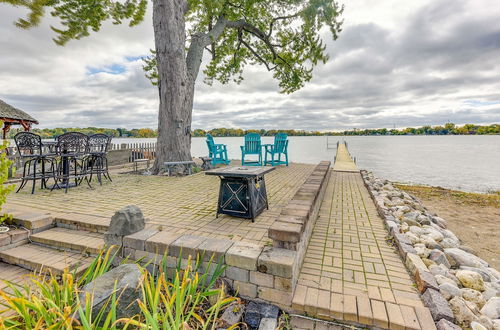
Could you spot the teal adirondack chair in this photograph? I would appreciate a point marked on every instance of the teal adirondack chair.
(218, 152)
(276, 150)
(252, 146)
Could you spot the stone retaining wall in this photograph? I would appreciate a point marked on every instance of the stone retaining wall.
(254, 271)
(460, 289)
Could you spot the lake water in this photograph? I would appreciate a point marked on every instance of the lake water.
(469, 163)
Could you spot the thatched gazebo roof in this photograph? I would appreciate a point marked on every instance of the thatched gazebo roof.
(9, 112)
(13, 116)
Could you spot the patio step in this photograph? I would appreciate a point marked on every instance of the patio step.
(67, 239)
(45, 259)
(82, 222)
(15, 275)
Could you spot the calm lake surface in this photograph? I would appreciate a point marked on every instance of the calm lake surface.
(469, 163)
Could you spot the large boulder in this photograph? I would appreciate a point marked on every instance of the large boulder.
(449, 290)
(470, 279)
(126, 221)
(439, 258)
(463, 258)
(492, 308)
(473, 296)
(463, 315)
(124, 281)
(437, 305)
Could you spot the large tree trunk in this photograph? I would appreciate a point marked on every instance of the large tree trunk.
(176, 86)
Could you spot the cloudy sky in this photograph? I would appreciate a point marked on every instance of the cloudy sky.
(396, 63)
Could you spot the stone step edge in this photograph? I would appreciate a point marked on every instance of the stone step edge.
(65, 246)
(72, 221)
(35, 266)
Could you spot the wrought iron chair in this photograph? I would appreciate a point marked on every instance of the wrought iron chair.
(252, 146)
(97, 152)
(280, 147)
(218, 152)
(29, 146)
(72, 148)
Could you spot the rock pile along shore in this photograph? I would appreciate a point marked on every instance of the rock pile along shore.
(459, 288)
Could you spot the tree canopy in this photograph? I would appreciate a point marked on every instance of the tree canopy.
(282, 35)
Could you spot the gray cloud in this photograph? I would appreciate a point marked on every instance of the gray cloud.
(421, 64)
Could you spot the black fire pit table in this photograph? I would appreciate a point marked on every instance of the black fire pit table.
(242, 190)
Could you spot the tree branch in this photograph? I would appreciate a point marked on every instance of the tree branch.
(198, 43)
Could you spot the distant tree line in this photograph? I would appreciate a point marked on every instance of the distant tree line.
(447, 129)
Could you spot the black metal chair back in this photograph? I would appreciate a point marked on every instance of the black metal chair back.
(99, 143)
(72, 143)
(28, 144)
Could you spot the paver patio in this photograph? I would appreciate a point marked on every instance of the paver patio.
(180, 204)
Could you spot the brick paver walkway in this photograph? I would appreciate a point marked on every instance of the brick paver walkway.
(350, 271)
(179, 204)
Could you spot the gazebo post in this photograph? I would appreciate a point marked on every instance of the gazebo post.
(6, 129)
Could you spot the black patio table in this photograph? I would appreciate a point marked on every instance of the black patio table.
(242, 190)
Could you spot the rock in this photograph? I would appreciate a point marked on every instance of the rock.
(416, 230)
(485, 321)
(126, 221)
(422, 252)
(492, 308)
(428, 262)
(409, 222)
(411, 216)
(463, 315)
(446, 325)
(468, 249)
(127, 278)
(413, 262)
(423, 220)
(470, 279)
(439, 221)
(439, 258)
(449, 243)
(473, 296)
(463, 258)
(477, 326)
(490, 292)
(252, 315)
(496, 324)
(425, 280)
(449, 290)
(412, 237)
(404, 227)
(453, 278)
(493, 272)
(484, 274)
(232, 315)
(430, 242)
(391, 224)
(443, 279)
(404, 209)
(437, 305)
(268, 323)
(257, 311)
(438, 270)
